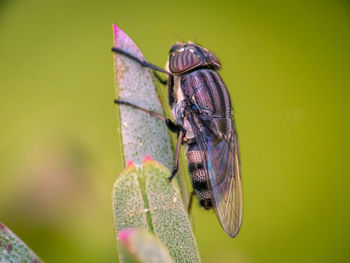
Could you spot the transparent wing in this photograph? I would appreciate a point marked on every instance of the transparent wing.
(223, 165)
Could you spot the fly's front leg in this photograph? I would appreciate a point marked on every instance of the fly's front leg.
(162, 81)
(143, 63)
(177, 154)
(171, 125)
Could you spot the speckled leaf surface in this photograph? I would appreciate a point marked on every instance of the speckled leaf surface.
(145, 199)
(12, 249)
(128, 203)
(142, 246)
(141, 133)
(169, 216)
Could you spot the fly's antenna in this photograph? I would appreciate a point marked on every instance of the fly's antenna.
(195, 38)
(178, 38)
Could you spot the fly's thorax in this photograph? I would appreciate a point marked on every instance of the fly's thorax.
(175, 94)
(205, 90)
(189, 136)
(178, 99)
(178, 110)
(182, 120)
(178, 94)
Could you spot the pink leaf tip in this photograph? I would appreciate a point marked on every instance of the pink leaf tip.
(115, 31)
(124, 235)
(147, 159)
(130, 164)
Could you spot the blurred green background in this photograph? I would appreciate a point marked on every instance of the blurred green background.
(286, 64)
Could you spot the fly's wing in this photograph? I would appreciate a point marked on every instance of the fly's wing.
(223, 166)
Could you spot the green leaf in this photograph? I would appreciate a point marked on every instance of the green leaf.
(142, 246)
(145, 199)
(128, 203)
(141, 133)
(169, 217)
(13, 249)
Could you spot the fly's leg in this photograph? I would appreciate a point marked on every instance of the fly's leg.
(144, 64)
(141, 62)
(162, 81)
(177, 154)
(171, 125)
(190, 202)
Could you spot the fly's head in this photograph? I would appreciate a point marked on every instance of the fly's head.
(184, 57)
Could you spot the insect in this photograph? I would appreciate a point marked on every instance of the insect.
(204, 122)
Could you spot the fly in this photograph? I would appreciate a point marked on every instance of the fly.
(204, 122)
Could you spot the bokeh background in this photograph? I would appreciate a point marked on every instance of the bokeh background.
(286, 64)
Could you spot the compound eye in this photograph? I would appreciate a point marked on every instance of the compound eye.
(183, 61)
(174, 48)
(214, 60)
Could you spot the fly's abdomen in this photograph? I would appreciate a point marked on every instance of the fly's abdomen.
(199, 175)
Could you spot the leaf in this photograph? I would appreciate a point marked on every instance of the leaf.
(141, 133)
(169, 217)
(13, 249)
(128, 202)
(142, 246)
(145, 199)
